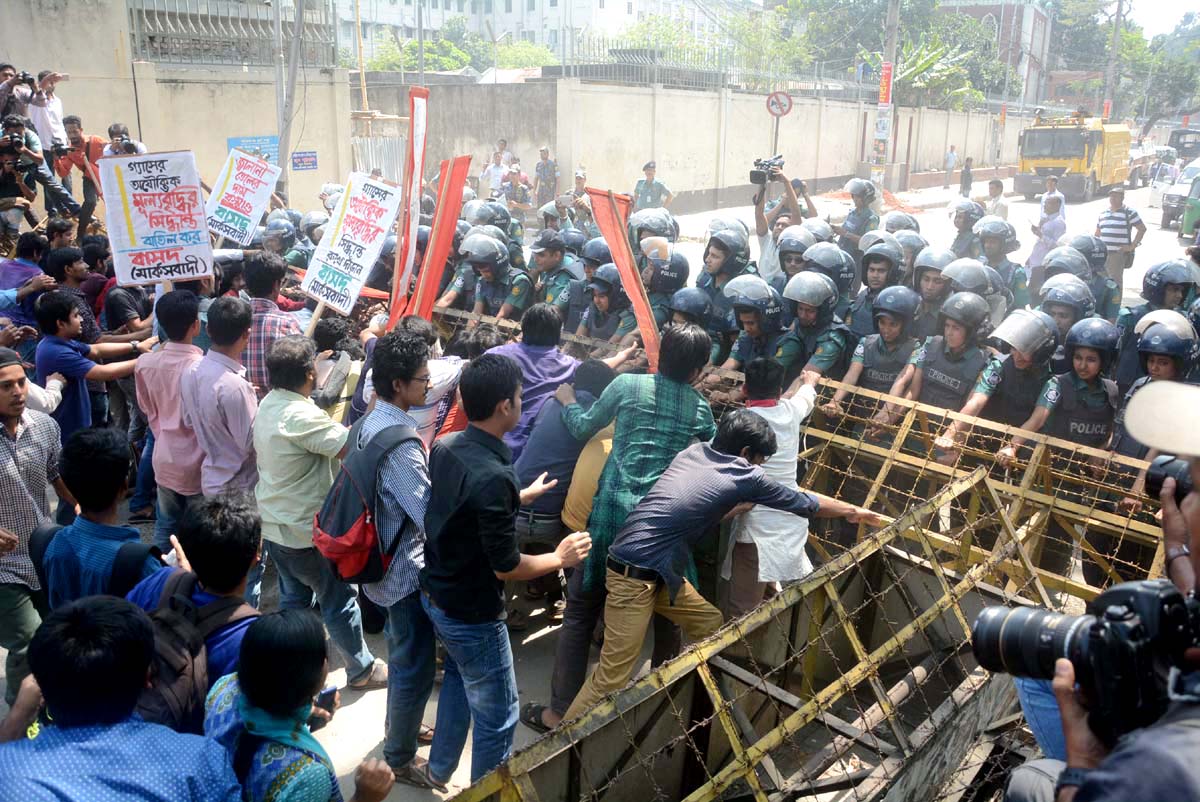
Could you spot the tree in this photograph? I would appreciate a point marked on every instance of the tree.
(930, 72)
(985, 69)
(520, 54)
(441, 55)
(478, 49)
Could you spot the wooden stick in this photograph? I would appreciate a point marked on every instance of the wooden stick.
(312, 324)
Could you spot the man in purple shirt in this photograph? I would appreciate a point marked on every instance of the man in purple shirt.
(219, 404)
(19, 272)
(543, 367)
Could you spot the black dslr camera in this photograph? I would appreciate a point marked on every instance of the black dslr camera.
(126, 144)
(761, 173)
(27, 79)
(1123, 649)
(14, 139)
(1168, 465)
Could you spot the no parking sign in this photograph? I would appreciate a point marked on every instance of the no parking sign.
(779, 103)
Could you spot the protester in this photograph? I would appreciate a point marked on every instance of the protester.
(264, 273)
(297, 447)
(23, 277)
(91, 660)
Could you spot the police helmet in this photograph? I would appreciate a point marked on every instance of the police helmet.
(1092, 248)
(896, 221)
(607, 281)
(899, 302)
(481, 250)
(284, 230)
(471, 210)
(468, 195)
(1169, 318)
(876, 235)
(968, 275)
(969, 309)
(669, 269)
(819, 229)
(1095, 333)
(494, 213)
(828, 260)
(736, 248)
(330, 188)
(1158, 277)
(912, 242)
(461, 227)
(931, 258)
(331, 201)
(388, 249)
(1032, 332)
(428, 204)
(693, 302)
(972, 212)
(490, 231)
(574, 240)
(722, 223)
(596, 251)
(423, 238)
(311, 220)
(657, 222)
(256, 239)
(278, 214)
(1065, 259)
(549, 209)
(1175, 341)
(751, 292)
(1066, 289)
(813, 289)
(794, 239)
(863, 187)
(892, 254)
(995, 226)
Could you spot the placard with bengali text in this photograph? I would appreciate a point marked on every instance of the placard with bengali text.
(240, 196)
(364, 215)
(154, 211)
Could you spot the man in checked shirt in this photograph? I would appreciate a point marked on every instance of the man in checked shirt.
(264, 273)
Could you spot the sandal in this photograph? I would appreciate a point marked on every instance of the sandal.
(376, 678)
(417, 774)
(425, 734)
(531, 717)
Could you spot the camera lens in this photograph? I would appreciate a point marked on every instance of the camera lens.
(1025, 641)
(1164, 466)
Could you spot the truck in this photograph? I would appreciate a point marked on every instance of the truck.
(1085, 153)
(1187, 142)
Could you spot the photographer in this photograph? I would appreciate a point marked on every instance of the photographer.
(120, 143)
(18, 140)
(768, 225)
(84, 153)
(1157, 762)
(15, 197)
(16, 90)
(46, 113)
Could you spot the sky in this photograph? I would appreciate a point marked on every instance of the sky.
(1154, 19)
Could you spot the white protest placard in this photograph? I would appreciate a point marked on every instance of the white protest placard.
(361, 221)
(154, 211)
(240, 196)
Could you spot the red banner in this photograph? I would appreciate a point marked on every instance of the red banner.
(885, 83)
(611, 213)
(410, 208)
(441, 237)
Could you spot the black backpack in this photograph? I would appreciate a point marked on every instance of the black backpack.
(126, 570)
(344, 529)
(179, 683)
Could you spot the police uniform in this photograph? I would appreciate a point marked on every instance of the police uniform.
(722, 321)
(579, 297)
(861, 313)
(516, 288)
(778, 283)
(606, 325)
(553, 287)
(1079, 412)
(857, 223)
(948, 380)
(881, 365)
(464, 282)
(825, 350)
(299, 256)
(925, 325)
(1122, 442)
(1107, 295)
(1016, 281)
(1129, 361)
(746, 349)
(660, 305)
(1012, 393)
(967, 245)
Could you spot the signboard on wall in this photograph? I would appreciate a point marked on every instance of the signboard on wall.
(265, 147)
(304, 160)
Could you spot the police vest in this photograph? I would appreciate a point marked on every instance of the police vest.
(862, 313)
(1129, 362)
(880, 368)
(751, 348)
(1006, 269)
(809, 340)
(1122, 442)
(948, 382)
(578, 298)
(495, 294)
(602, 325)
(1101, 291)
(1014, 398)
(925, 325)
(1074, 421)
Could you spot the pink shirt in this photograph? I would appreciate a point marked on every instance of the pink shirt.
(177, 455)
(220, 405)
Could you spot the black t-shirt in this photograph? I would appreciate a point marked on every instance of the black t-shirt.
(470, 530)
(121, 305)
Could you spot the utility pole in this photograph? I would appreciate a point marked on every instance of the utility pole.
(883, 119)
(280, 92)
(289, 104)
(892, 31)
(421, 41)
(1114, 60)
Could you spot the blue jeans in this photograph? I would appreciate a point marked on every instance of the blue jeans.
(411, 667)
(144, 492)
(480, 685)
(1042, 714)
(305, 577)
(57, 196)
(169, 512)
(253, 593)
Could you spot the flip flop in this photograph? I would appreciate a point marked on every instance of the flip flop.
(416, 773)
(425, 735)
(374, 679)
(531, 717)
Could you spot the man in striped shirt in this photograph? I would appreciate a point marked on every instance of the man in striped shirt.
(1116, 227)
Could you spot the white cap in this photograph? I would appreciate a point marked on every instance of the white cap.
(1161, 416)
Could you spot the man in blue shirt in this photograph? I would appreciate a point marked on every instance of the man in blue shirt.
(91, 660)
(704, 484)
(221, 540)
(79, 560)
(61, 352)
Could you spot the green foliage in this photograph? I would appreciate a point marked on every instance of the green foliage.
(455, 48)
(478, 49)
(930, 72)
(440, 55)
(520, 54)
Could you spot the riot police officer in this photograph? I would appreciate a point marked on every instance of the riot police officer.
(896, 221)
(946, 367)
(726, 256)
(998, 238)
(759, 312)
(595, 253)
(380, 277)
(656, 222)
(823, 341)
(495, 213)
(861, 218)
(609, 316)
(302, 251)
(881, 268)
(459, 279)
(912, 244)
(501, 290)
(1067, 300)
(691, 305)
(880, 358)
(573, 241)
(1106, 291)
(793, 242)
(834, 263)
(966, 243)
(932, 286)
(1164, 286)
(665, 270)
(971, 275)
(820, 229)
(552, 269)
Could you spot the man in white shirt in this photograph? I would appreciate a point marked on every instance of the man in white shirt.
(767, 546)
(996, 204)
(120, 143)
(493, 174)
(1052, 192)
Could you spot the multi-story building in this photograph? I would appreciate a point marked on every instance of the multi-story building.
(1022, 30)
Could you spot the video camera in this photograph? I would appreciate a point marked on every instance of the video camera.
(126, 144)
(761, 173)
(1123, 649)
(1168, 465)
(60, 150)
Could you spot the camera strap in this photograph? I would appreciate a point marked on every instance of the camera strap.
(1183, 687)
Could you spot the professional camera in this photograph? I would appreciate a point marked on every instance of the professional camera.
(1168, 465)
(1122, 649)
(126, 144)
(761, 173)
(15, 140)
(27, 79)
(60, 150)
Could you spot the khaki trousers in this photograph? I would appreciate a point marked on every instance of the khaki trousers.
(627, 612)
(1116, 264)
